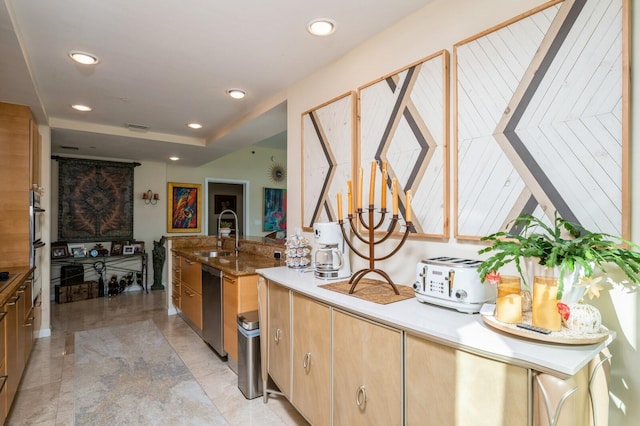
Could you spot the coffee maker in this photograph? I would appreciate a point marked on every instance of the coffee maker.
(331, 258)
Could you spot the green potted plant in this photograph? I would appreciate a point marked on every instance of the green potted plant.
(225, 227)
(563, 245)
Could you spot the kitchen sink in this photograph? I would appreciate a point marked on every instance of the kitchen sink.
(213, 253)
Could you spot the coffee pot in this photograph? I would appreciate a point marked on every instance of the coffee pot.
(331, 259)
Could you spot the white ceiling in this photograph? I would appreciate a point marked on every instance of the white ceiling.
(165, 63)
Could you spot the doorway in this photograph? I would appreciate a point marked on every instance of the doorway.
(226, 194)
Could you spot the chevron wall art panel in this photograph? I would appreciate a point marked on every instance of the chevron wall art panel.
(328, 143)
(539, 108)
(403, 120)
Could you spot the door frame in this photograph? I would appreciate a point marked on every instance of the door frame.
(245, 204)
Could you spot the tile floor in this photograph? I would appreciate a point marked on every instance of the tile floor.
(45, 395)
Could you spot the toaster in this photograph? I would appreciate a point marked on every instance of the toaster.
(453, 283)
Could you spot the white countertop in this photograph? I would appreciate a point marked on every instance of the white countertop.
(447, 326)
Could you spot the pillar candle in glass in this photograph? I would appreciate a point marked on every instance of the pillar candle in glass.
(544, 309)
(509, 300)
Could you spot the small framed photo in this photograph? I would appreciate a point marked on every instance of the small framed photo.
(128, 249)
(116, 248)
(58, 252)
(77, 250)
(138, 246)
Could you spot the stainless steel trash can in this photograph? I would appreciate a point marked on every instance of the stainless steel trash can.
(249, 380)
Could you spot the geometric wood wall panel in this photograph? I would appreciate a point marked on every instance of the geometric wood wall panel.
(403, 120)
(328, 140)
(539, 120)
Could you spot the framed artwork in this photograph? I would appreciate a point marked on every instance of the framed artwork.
(404, 123)
(275, 210)
(77, 250)
(224, 202)
(184, 205)
(542, 120)
(116, 248)
(129, 249)
(138, 246)
(328, 146)
(59, 252)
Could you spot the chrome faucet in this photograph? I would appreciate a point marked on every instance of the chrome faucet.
(237, 248)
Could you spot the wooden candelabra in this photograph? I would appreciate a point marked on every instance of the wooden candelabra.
(370, 226)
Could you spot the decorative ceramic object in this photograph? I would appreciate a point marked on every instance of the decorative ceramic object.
(584, 318)
(225, 232)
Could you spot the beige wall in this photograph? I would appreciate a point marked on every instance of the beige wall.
(439, 26)
(250, 165)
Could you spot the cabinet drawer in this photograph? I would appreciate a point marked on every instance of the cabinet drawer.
(191, 274)
(191, 306)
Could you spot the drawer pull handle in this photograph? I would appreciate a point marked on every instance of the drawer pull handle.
(361, 397)
(306, 361)
(276, 337)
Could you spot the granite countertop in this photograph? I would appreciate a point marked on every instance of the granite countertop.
(243, 264)
(462, 331)
(17, 275)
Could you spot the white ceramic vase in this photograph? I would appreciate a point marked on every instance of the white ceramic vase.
(572, 291)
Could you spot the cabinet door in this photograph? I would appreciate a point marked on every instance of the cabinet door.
(311, 363)
(445, 386)
(240, 294)
(279, 336)
(367, 372)
(176, 278)
(35, 144)
(230, 316)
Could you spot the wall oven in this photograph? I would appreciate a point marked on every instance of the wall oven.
(36, 220)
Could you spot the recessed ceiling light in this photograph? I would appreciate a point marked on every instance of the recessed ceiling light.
(236, 93)
(82, 108)
(195, 125)
(174, 158)
(84, 58)
(322, 27)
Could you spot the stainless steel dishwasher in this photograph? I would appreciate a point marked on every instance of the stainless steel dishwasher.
(212, 309)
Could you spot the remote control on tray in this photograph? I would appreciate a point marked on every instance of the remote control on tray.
(533, 328)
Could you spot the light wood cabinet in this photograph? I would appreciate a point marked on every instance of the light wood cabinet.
(240, 294)
(191, 292)
(311, 361)
(35, 149)
(3, 369)
(279, 337)
(445, 386)
(17, 129)
(367, 372)
(175, 280)
(16, 336)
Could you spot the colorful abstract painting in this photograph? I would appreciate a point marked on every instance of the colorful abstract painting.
(275, 210)
(184, 207)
